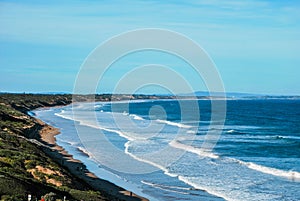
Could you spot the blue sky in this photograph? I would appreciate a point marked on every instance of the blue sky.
(254, 44)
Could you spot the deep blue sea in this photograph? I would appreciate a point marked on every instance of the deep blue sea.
(155, 147)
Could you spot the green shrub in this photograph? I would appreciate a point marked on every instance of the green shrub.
(50, 197)
(12, 198)
(30, 164)
(85, 195)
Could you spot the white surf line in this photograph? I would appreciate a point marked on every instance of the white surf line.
(173, 123)
(293, 175)
(192, 149)
(164, 188)
(206, 189)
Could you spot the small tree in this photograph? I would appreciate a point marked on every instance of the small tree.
(50, 196)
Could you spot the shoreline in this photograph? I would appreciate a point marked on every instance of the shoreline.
(78, 169)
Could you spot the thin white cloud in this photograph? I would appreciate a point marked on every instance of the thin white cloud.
(234, 4)
(217, 23)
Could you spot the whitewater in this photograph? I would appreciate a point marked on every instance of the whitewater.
(164, 156)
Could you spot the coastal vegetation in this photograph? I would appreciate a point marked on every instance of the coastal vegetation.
(29, 166)
(24, 167)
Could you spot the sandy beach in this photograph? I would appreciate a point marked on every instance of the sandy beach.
(77, 168)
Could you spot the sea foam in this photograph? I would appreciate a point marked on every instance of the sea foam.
(180, 125)
(192, 149)
(292, 175)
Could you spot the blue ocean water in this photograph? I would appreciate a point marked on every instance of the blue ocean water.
(154, 148)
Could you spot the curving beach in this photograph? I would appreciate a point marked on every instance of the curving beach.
(32, 132)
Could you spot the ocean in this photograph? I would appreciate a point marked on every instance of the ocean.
(155, 147)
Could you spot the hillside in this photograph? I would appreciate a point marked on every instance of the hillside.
(28, 165)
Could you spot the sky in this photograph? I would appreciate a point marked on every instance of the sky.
(255, 44)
